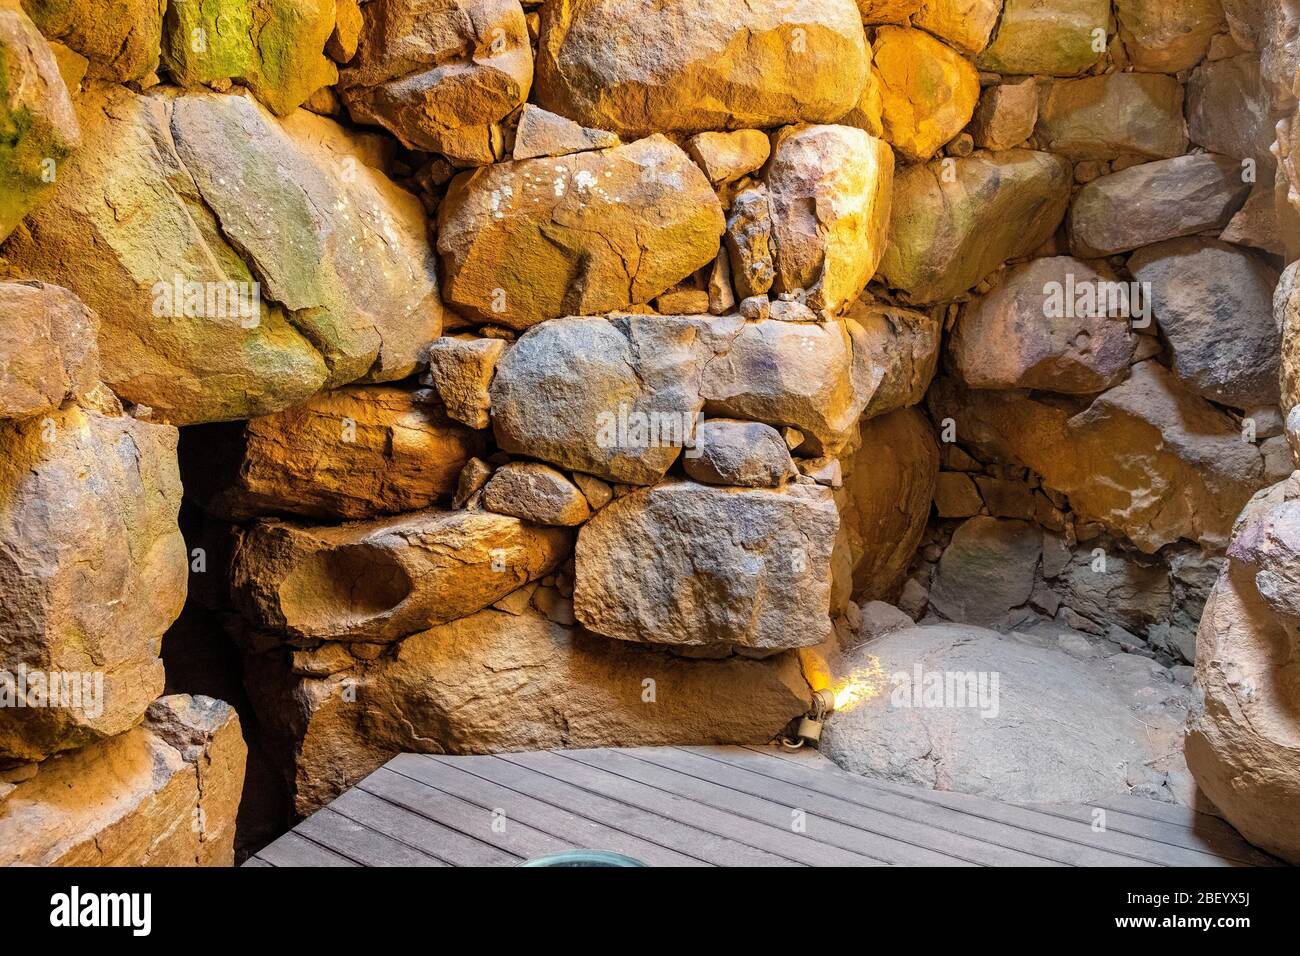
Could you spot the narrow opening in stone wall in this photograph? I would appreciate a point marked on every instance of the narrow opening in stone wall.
(898, 387)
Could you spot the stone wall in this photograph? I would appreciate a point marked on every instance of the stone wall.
(569, 374)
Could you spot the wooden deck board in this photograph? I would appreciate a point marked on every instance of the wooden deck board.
(721, 806)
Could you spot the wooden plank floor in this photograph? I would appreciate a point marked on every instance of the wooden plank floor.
(722, 806)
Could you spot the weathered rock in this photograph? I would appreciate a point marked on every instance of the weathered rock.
(966, 24)
(830, 189)
(1152, 202)
(888, 11)
(1148, 458)
(1286, 315)
(1056, 37)
(164, 793)
(684, 563)
(1214, 303)
(725, 157)
(542, 133)
(885, 501)
(1119, 114)
(928, 91)
(48, 348)
(987, 570)
(575, 235)
(948, 232)
(868, 115)
(1030, 332)
(535, 492)
(1168, 37)
(1256, 223)
(206, 315)
(1229, 111)
(1243, 742)
(817, 378)
(1114, 587)
(380, 581)
(905, 344)
(276, 49)
(357, 452)
(472, 478)
(637, 67)
(348, 24)
(743, 454)
(461, 370)
(749, 242)
(38, 127)
(616, 398)
(1273, 28)
(497, 681)
(1013, 718)
(955, 495)
(440, 74)
(121, 41)
(93, 570)
(1006, 114)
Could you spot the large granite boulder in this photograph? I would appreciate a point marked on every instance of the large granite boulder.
(1014, 718)
(689, 564)
(121, 40)
(380, 581)
(38, 126)
(928, 90)
(889, 483)
(830, 188)
(955, 222)
(1046, 327)
(1054, 37)
(1229, 111)
(93, 569)
(164, 793)
(1149, 458)
(49, 349)
(1214, 303)
(966, 24)
(275, 49)
(639, 66)
(987, 570)
(441, 74)
(206, 314)
(1151, 202)
(905, 344)
(582, 234)
(1243, 738)
(502, 680)
(1118, 114)
(1163, 37)
(358, 452)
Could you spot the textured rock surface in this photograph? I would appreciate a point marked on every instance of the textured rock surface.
(966, 24)
(383, 580)
(905, 345)
(121, 39)
(885, 501)
(1006, 115)
(358, 452)
(1229, 111)
(542, 133)
(93, 569)
(1102, 117)
(1152, 202)
(1054, 729)
(461, 370)
(1167, 37)
(1056, 37)
(928, 90)
(48, 348)
(575, 235)
(38, 127)
(1147, 458)
(1243, 743)
(684, 563)
(745, 454)
(950, 231)
(1214, 303)
(636, 66)
(725, 157)
(441, 74)
(987, 570)
(1029, 333)
(830, 189)
(537, 493)
(498, 681)
(206, 315)
(162, 794)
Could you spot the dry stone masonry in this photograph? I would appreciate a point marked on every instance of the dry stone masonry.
(476, 375)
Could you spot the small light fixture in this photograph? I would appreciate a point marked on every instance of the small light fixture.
(810, 726)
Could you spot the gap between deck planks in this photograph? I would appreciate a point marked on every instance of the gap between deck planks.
(721, 806)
